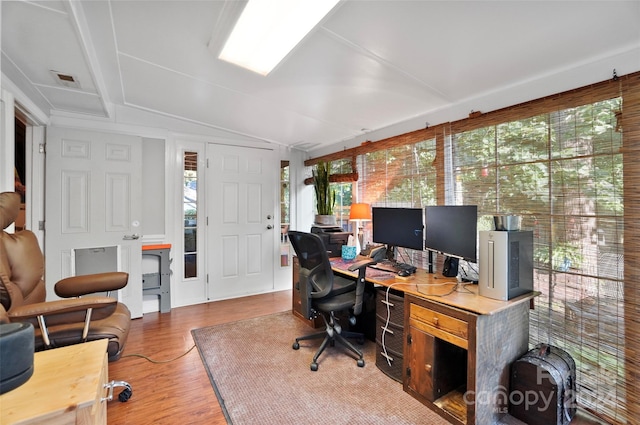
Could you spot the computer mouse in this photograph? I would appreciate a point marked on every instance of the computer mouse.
(404, 273)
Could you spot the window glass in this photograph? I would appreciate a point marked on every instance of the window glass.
(285, 220)
(190, 210)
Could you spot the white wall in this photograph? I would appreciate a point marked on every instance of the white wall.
(7, 141)
(302, 199)
(153, 186)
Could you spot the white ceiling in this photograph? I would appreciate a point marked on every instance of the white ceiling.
(367, 66)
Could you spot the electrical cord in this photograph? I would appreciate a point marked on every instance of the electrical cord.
(465, 273)
(149, 359)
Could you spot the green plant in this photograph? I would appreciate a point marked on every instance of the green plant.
(325, 195)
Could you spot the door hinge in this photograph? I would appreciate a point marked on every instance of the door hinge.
(207, 162)
(207, 278)
(408, 339)
(207, 221)
(42, 148)
(408, 372)
(41, 225)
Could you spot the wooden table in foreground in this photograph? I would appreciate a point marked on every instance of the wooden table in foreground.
(67, 387)
(457, 345)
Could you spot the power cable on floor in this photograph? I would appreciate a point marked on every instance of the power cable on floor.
(160, 361)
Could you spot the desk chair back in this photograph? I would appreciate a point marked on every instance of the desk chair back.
(316, 276)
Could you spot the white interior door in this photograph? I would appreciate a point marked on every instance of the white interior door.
(240, 185)
(94, 201)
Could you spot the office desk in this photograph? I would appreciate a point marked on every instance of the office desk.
(457, 346)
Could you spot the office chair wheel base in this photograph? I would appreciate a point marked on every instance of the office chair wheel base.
(314, 366)
(125, 395)
(360, 362)
(295, 345)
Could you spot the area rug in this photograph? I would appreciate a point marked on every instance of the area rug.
(259, 379)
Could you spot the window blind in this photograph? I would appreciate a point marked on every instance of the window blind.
(399, 176)
(562, 172)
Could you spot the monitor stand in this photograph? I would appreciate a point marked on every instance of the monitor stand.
(391, 253)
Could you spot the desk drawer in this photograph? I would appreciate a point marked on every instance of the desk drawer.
(393, 334)
(440, 325)
(393, 306)
(393, 367)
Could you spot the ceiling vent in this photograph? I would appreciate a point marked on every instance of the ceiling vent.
(66, 80)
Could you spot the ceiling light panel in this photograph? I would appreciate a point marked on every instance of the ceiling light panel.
(268, 30)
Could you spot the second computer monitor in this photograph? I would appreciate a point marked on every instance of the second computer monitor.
(452, 230)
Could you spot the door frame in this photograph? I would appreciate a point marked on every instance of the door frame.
(192, 290)
(13, 102)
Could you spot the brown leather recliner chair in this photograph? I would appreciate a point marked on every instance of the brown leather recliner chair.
(68, 321)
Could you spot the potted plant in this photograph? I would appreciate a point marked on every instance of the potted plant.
(325, 195)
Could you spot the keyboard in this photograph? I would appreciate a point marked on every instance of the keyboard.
(392, 266)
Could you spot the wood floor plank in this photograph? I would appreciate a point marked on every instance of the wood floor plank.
(178, 391)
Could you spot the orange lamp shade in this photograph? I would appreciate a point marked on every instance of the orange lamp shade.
(360, 212)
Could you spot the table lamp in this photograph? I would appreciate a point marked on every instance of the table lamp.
(359, 213)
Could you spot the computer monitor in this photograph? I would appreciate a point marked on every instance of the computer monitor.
(398, 227)
(452, 230)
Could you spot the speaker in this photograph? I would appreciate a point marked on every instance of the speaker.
(450, 268)
(16, 355)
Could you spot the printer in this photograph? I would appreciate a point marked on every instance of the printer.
(333, 237)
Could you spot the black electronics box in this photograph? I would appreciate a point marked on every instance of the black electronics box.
(333, 237)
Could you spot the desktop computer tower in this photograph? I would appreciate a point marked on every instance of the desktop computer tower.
(506, 264)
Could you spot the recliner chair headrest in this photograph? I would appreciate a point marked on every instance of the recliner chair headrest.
(9, 208)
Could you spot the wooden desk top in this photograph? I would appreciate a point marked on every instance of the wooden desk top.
(438, 288)
(64, 379)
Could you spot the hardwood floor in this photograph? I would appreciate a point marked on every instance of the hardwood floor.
(178, 391)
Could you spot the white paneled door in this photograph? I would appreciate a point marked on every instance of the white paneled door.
(241, 184)
(93, 206)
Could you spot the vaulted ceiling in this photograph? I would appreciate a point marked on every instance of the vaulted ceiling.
(367, 66)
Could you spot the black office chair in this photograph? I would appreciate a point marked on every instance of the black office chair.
(323, 293)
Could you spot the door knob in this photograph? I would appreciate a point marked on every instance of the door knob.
(269, 227)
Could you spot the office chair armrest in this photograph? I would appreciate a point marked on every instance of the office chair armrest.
(360, 264)
(62, 309)
(361, 267)
(77, 286)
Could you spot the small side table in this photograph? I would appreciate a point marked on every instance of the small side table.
(67, 386)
